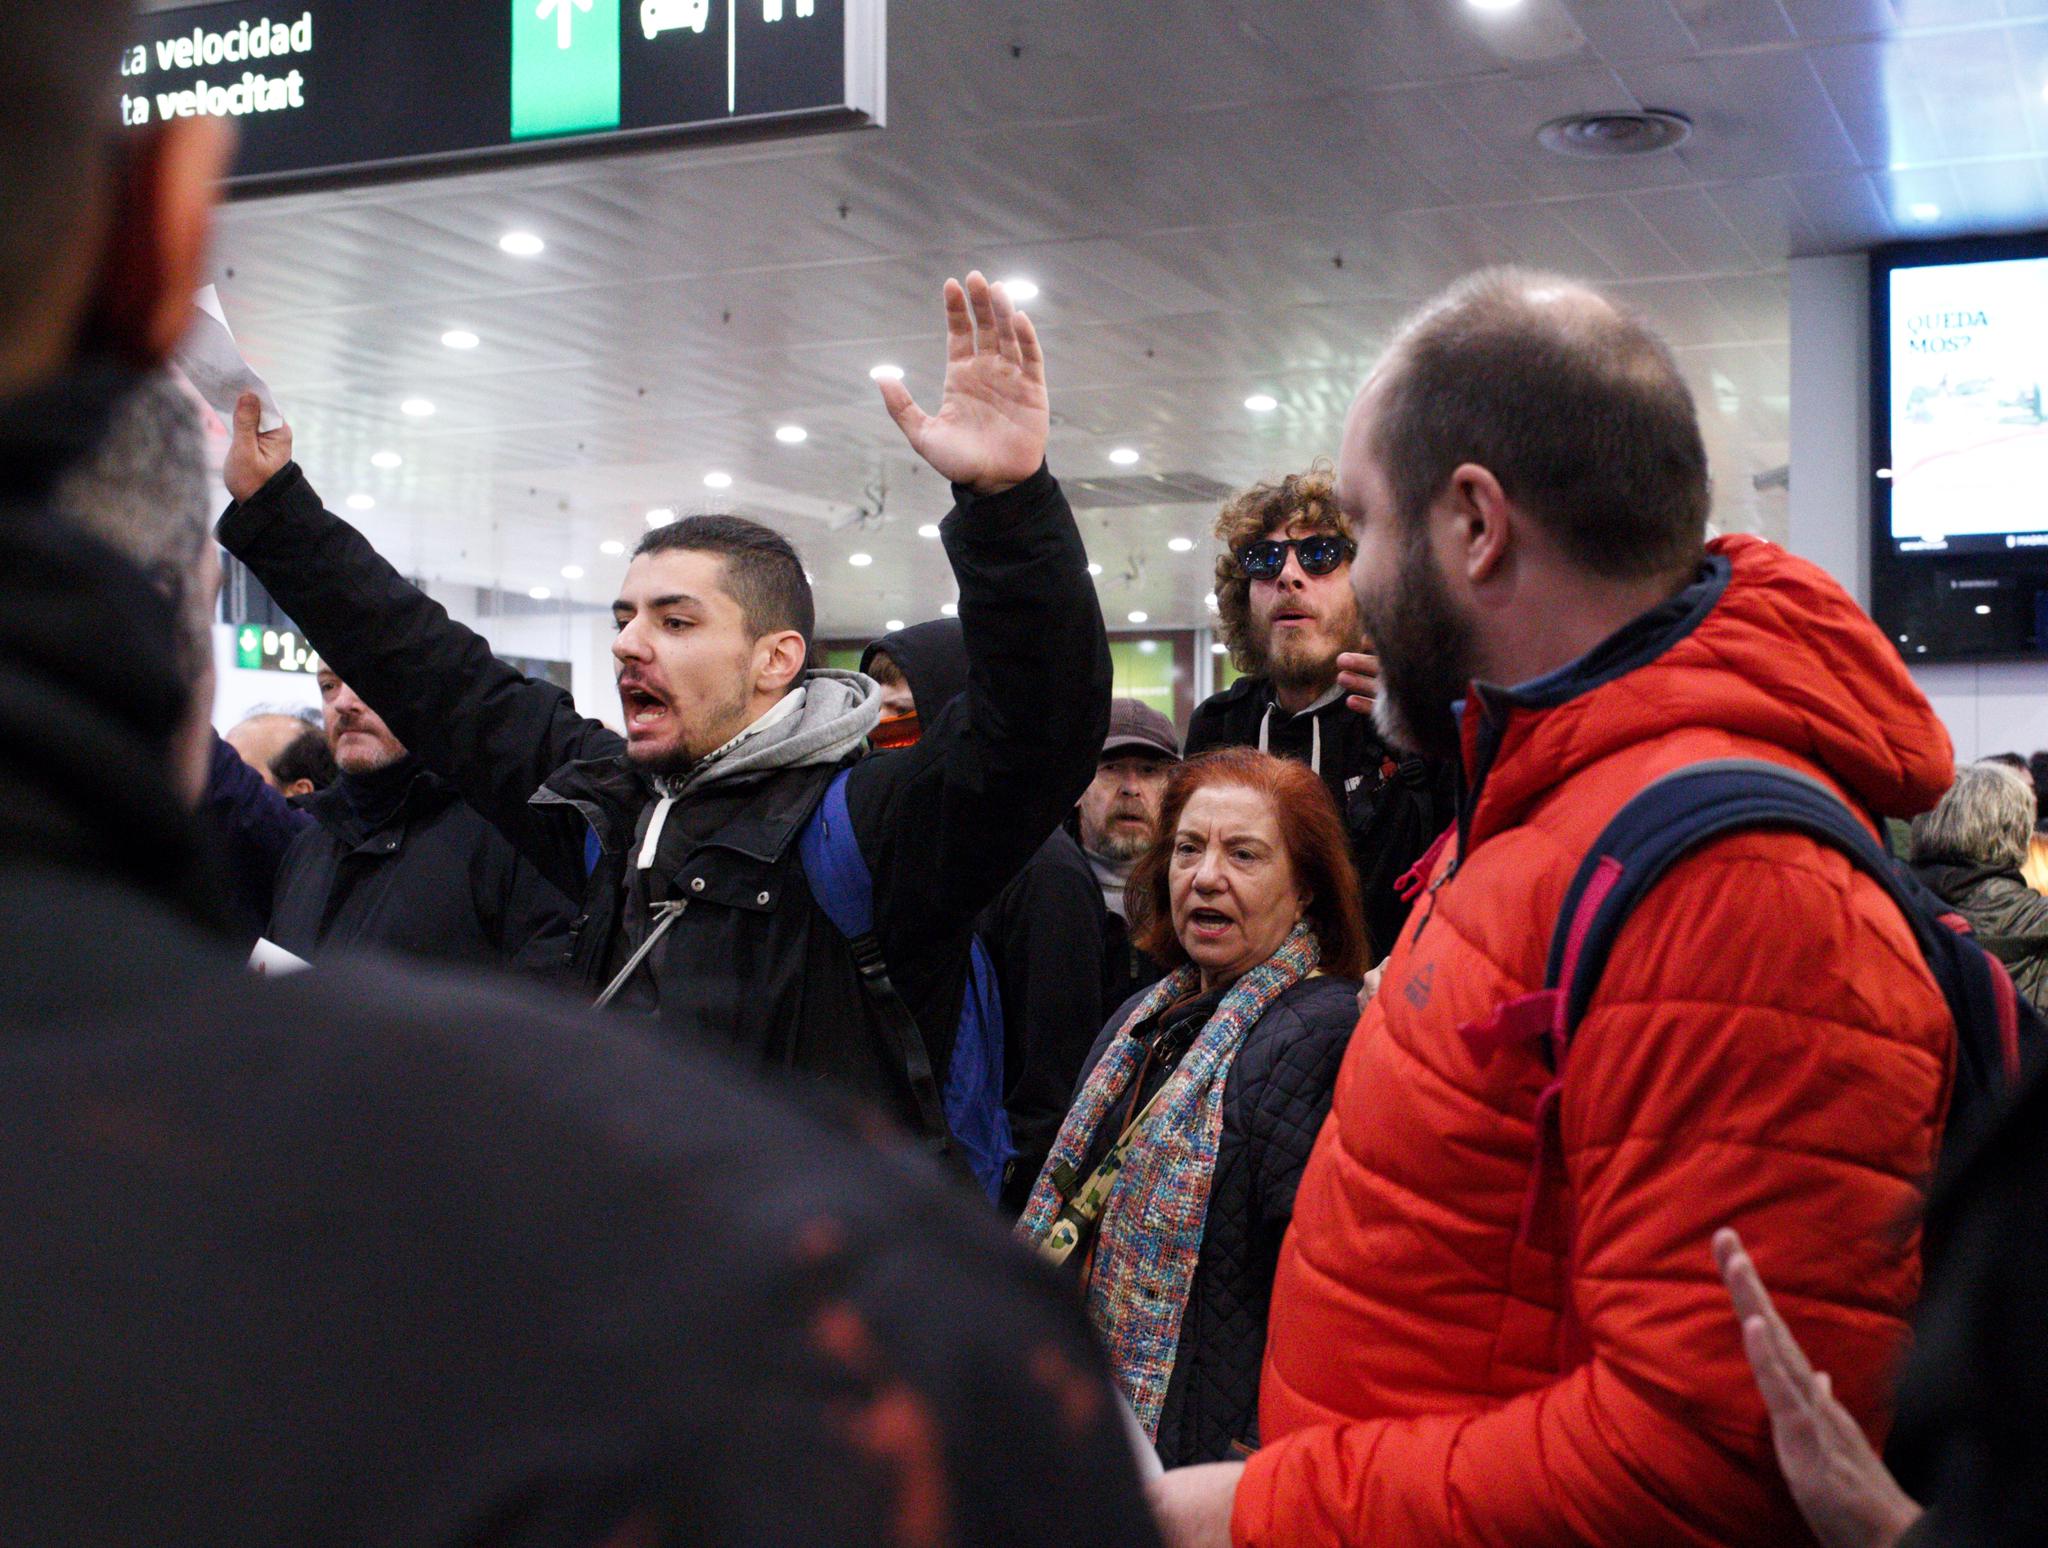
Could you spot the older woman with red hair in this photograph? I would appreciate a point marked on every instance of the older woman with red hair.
(1172, 1181)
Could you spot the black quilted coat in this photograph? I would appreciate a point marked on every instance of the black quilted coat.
(1273, 1104)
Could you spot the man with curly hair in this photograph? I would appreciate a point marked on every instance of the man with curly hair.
(1286, 611)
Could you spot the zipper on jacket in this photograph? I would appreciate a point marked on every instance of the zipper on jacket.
(1434, 888)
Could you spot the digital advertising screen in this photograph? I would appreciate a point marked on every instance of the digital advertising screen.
(1965, 353)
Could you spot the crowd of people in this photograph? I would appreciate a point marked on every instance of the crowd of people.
(938, 1104)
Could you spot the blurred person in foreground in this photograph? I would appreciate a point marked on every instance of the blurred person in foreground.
(683, 840)
(1524, 477)
(1285, 609)
(1973, 1398)
(1968, 852)
(342, 1259)
(1172, 1181)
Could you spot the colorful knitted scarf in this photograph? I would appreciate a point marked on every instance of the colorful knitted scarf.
(1150, 1235)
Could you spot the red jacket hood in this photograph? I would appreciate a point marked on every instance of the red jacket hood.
(1766, 647)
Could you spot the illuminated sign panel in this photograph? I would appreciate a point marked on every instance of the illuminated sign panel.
(349, 90)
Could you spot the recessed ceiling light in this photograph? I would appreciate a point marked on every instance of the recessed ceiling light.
(860, 561)
(792, 435)
(540, 593)
(1181, 545)
(929, 530)
(885, 373)
(361, 502)
(522, 244)
(460, 338)
(1983, 609)
(893, 625)
(1140, 617)
(949, 609)
(417, 408)
(660, 516)
(611, 546)
(718, 481)
(1094, 569)
(1020, 289)
(1210, 601)
(386, 460)
(1262, 403)
(572, 572)
(1123, 456)
(1219, 649)
(1924, 211)
(1884, 472)
(1494, 5)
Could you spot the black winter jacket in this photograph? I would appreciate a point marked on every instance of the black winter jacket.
(1393, 806)
(1274, 1102)
(415, 871)
(1045, 938)
(751, 963)
(2009, 918)
(502, 1276)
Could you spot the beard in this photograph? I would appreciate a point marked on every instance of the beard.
(697, 738)
(1426, 654)
(1308, 662)
(1116, 843)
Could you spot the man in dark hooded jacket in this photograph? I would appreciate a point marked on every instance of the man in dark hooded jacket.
(683, 840)
(395, 860)
(347, 1259)
(1045, 932)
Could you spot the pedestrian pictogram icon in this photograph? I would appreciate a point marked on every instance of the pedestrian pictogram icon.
(565, 67)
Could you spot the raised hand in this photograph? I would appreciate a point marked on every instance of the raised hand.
(1358, 674)
(254, 456)
(991, 427)
(1840, 1484)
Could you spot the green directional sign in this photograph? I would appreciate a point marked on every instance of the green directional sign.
(249, 649)
(565, 67)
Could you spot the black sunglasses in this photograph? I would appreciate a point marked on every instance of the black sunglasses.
(1319, 555)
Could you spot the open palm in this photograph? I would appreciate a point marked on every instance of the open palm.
(991, 427)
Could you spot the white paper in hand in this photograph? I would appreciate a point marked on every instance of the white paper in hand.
(212, 362)
(271, 958)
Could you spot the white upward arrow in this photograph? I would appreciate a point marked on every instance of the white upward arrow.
(561, 10)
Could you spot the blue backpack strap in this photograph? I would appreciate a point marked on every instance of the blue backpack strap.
(975, 1112)
(833, 866)
(1667, 821)
(1694, 806)
(841, 885)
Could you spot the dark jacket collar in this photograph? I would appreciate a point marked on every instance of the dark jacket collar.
(357, 805)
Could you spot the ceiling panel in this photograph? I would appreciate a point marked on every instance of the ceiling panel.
(1218, 198)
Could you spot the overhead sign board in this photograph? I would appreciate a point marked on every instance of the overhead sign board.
(346, 90)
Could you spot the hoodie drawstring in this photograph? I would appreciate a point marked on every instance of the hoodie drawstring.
(1315, 738)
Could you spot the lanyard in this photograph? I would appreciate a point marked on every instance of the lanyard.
(1082, 1211)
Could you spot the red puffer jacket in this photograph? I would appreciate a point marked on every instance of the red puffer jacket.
(1766, 1050)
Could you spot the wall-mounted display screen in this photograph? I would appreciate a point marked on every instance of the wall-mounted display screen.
(342, 90)
(1968, 355)
(1959, 447)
